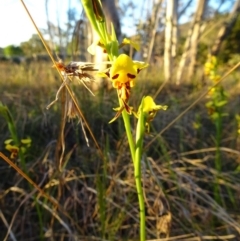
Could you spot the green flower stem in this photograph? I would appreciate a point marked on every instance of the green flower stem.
(137, 171)
(88, 7)
(103, 31)
(218, 161)
(97, 19)
(136, 157)
(127, 125)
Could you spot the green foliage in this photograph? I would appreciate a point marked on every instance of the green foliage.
(12, 50)
(6, 114)
(231, 44)
(32, 46)
(202, 52)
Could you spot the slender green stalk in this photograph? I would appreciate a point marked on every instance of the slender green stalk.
(96, 16)
(127, 125)
(218, 164)
(89, 10)
(136, 157)
(218, 125)
(137, 171)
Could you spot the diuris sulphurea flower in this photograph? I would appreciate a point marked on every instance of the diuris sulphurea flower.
(14, 149)
(149, 109)
(123, 74)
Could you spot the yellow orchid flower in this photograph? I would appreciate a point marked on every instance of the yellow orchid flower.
(8, 141)
(123, 70)
(150, 109)
(210, 68)
(13, 149)
(123, 73)
(27, 142)
(130, 42)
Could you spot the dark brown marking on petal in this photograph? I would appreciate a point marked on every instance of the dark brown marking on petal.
(115, 76)
(127, 85)
(107, 73)
(117, 114)
(138, 70)
(127, 107)
(151, 112)
(131, 76)
(124, 93)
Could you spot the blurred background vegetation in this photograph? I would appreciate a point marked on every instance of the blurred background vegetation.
(191, 173)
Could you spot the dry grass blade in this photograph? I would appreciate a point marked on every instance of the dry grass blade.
(185, 238)
(80, 114)
(7, 226)
(27, 196)
(212, 149)
(44, 205)
(186, 181)
(51, 199)
(6, 159)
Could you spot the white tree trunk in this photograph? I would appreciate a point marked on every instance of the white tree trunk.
(155, 24)
(168, 51)
(197, 30)
(190, 50)
(175, 30)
